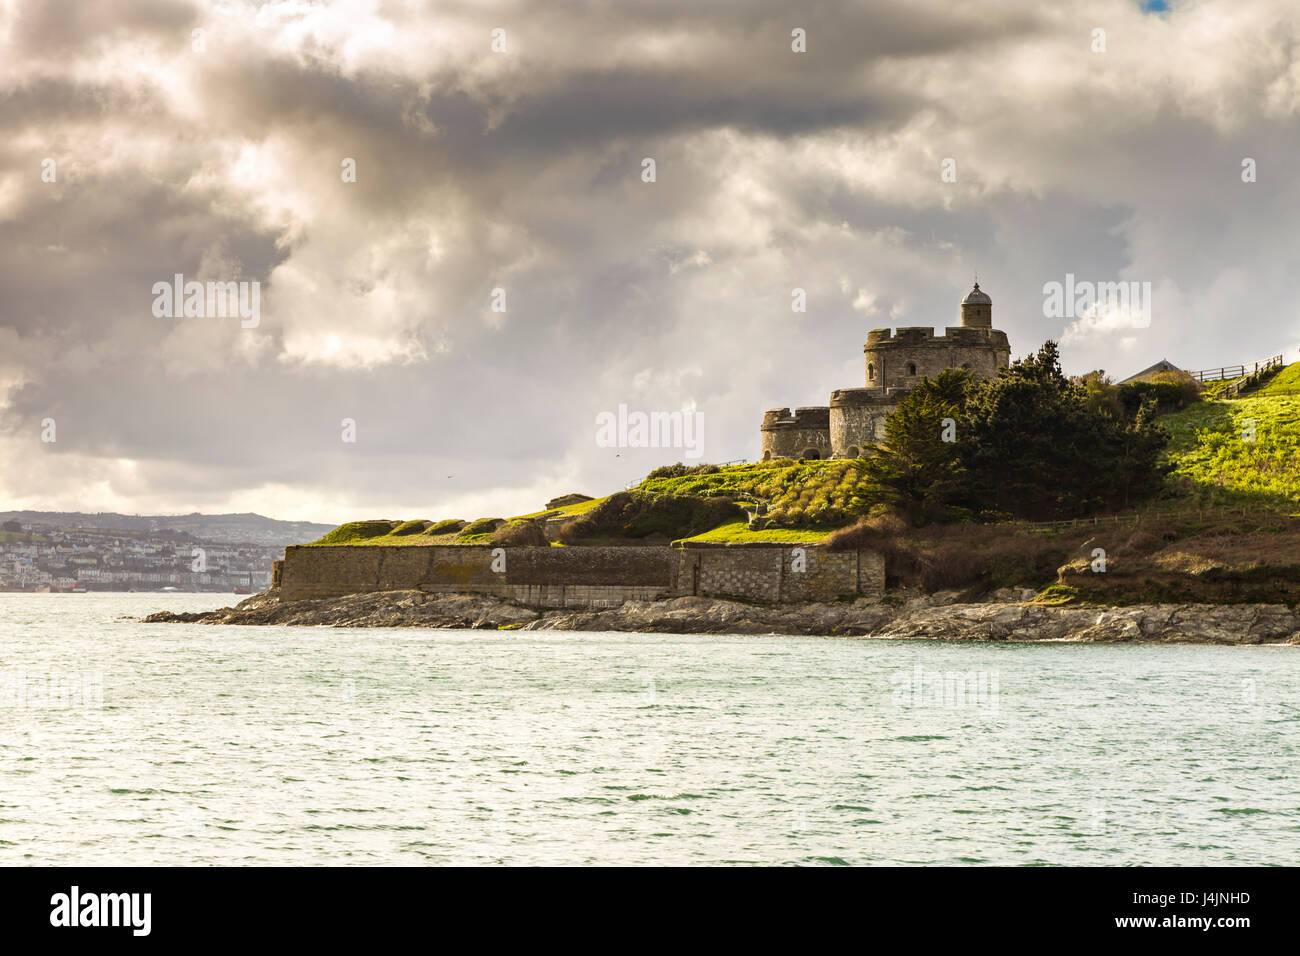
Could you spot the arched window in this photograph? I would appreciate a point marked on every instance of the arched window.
(767, 455)
(965, 366)
(810, 453)
(871, 372)
(853, 451)
(911, 368)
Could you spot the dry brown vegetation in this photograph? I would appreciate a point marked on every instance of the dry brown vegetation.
(1256, 557)
(959, 556)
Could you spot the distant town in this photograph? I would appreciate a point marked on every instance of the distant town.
(77, 553)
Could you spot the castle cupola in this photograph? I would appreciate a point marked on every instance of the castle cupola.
(977, 309)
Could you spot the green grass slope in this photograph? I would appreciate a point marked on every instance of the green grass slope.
(1285, 381)
(817, 494)
(815, 497)
(1215, 460)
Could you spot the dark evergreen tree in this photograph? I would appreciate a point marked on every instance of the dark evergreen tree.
(1030, 443)
(1038, 447)
(918, 469)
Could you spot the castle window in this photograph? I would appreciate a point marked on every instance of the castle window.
(966, 366)
(853, 451)
(767, 455)
(810, 453)
(911, 368)
(871, 372)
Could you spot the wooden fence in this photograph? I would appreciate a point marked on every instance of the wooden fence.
(1227, 372)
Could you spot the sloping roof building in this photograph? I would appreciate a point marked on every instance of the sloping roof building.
(1147, 374)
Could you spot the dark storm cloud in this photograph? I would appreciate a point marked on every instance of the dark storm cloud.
(522, 171)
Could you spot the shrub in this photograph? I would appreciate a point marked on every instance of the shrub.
(956, 555)
(520, 533)
(410, 527)
(446, 526)
(680, 470)
(1169, 390)
(358, 531)
(868, 533)
(638, 514)
(1102, 395)
(481, 526)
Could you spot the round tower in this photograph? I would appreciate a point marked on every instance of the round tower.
(977, 309)
(805, 434)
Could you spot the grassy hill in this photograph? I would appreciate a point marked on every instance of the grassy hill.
(1214, 468)
(1245, 451)
(1287, 380)
(806, 501)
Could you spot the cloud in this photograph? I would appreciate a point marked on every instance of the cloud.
(521, 171)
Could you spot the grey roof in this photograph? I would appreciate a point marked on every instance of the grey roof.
(976, 297)
(1164, 365)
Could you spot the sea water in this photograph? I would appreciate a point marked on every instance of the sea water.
(131, 743)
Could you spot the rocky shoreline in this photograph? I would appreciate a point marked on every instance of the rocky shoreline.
(1002, 616)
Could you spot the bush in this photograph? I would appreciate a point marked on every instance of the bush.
(1169, 390)
(481, 526)
(410, 527)
(446, 526)
(956, 555)
(638, 514)
(868, 533)
(1102, 395)
(681, 470)
(358, 531)
(521, 533)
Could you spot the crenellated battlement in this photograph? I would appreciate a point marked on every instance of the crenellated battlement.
(896, 360)
(813, 416)
(920, 336)
(845, 397)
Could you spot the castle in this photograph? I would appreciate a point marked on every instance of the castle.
(896, 361)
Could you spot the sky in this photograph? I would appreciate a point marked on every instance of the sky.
(446, 213)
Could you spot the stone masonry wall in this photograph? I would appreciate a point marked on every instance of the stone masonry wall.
(789, 436)
(545, 576)
(887, 357)
(584, 577)
(770, 574)
(854, 427)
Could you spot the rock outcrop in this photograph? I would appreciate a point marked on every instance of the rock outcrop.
(1006, 616)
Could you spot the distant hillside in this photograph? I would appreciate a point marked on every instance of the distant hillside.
(225, 529)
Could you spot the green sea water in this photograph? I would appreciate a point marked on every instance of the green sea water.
(127, 743)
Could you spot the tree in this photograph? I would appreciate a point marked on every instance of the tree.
(918, 468)
(1038, 445)
(12, 526)
(1101, 394)
(1030, 443)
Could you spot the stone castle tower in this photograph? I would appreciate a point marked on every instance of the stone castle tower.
(895, 362)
